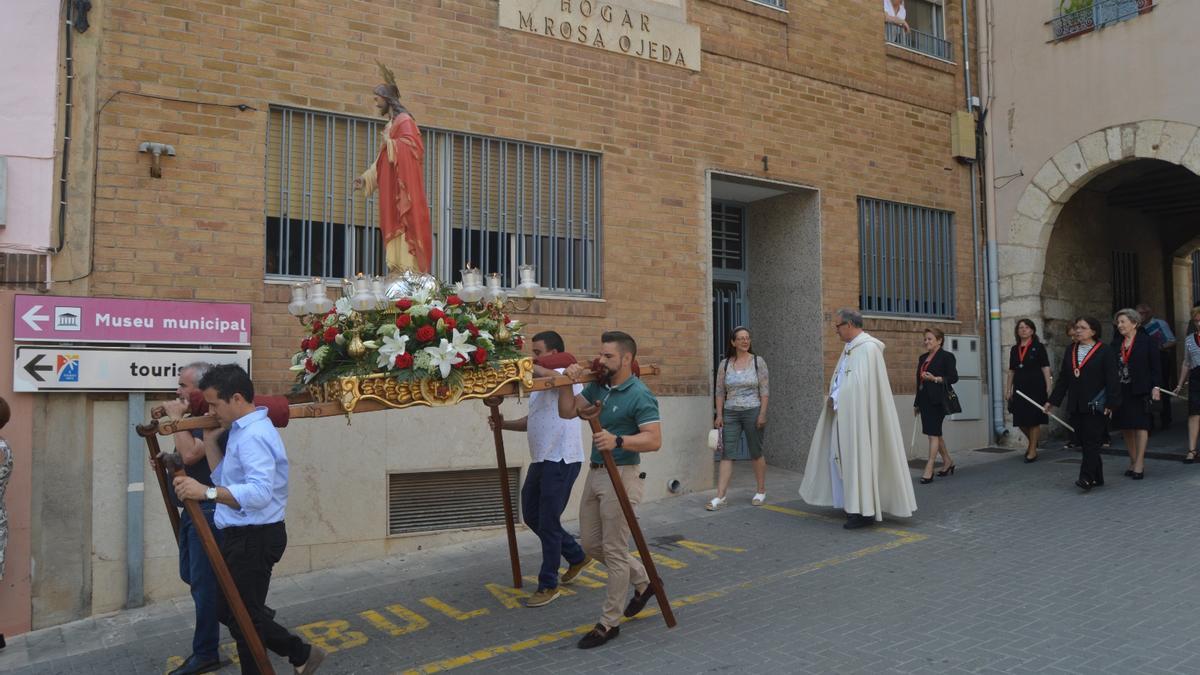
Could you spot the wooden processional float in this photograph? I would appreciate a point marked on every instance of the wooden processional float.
(352, 395)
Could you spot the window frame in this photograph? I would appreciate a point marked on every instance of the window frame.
(915, 276)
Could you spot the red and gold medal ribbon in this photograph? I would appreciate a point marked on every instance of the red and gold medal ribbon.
(1075, 356)
(1126, 351)
(1022, 351)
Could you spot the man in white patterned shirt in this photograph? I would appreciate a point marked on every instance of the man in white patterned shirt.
(556, 450)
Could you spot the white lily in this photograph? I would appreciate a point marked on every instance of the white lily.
(391, 346)
(483, 334)
(444, 356)
(460, 343)
(342, 305)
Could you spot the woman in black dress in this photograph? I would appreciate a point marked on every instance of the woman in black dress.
(935, 371)
(1089, 377)
(1028, 373)
(1189, 376)
(1139, 369)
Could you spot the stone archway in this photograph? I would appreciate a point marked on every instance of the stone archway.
(1022, 258)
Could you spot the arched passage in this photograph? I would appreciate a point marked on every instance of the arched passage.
(1108, 221)
(1023, 255)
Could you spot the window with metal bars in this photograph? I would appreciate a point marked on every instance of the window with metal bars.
(906, 256)
(1125, 289)
(494, 203)
(728, 236)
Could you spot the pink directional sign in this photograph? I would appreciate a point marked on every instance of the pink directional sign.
(52, 318)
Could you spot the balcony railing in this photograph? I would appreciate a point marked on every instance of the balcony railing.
(777, 4)
(919, 42)
(1101, 13)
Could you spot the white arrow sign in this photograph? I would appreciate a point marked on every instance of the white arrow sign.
(32, 317)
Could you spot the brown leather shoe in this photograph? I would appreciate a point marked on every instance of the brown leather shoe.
(574, 570)
(638, 602)
(598, 636)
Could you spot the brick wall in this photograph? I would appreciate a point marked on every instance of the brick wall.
(816, 90)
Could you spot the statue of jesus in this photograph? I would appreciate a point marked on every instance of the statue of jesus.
(396, 176)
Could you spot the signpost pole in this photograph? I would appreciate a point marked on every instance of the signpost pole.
(134, 495)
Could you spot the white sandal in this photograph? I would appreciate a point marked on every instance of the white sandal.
(715, 504)
(759, 498)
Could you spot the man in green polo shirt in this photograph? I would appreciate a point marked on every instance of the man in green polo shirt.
(629, 418)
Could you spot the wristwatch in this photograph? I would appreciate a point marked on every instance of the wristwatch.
(620, 442)
(211, 494)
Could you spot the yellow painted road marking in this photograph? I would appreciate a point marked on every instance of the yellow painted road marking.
(707, 550)
(902, 538)
(452, 612)
(664, 560)
(413, 622)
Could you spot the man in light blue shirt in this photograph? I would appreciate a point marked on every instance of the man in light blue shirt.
(251, 487)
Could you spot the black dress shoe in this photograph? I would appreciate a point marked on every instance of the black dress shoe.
(638, 602)
(195, 665)
(598, 636)
(1031, 460)
(1128, 473)
(1083, 485)
(855, 521)
(1137, 475)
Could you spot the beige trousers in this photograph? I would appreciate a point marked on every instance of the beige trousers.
(604, 535)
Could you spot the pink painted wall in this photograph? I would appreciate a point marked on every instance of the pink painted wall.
(16, 604)
(29, 34)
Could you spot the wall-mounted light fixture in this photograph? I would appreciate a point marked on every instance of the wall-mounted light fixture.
(157, 150)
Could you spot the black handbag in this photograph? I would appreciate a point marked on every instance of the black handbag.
(950, 402)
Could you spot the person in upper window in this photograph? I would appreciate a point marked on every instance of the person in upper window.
(894, 12)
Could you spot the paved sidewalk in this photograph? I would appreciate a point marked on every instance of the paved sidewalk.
(1005, 568)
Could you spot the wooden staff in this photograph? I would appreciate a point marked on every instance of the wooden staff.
(224, 579)
(160, 474)
(619, 487)
(1168, 392)
(510, 526)
(1035, 404)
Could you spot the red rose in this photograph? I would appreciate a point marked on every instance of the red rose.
(462, 361)
(480, 356)
(403, 321)
(404, 360)
(404, 304)
(310, 366)
(304, 344)
(435, 314)
(331, 333)
(473, 330)
(318, 327)
(520, 342)
(453, 300)
(426, 334)
(450, 323)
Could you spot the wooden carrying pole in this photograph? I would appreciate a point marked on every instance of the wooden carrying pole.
(623, 497)
(510, 525)
(224, 579)
(160, 474)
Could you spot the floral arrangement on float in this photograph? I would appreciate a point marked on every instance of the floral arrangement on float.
(410, 339)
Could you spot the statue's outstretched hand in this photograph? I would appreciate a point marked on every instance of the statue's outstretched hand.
(359, 183)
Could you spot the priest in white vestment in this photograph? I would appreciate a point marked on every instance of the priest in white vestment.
(857, 460)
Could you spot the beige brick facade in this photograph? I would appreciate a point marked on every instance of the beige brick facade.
(816, 90)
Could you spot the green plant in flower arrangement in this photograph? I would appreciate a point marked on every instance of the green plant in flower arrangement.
(422, 332)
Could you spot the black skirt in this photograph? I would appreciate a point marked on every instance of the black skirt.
(1032, 383)
(932, 417)
(1194, 392)
(1134, 412)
